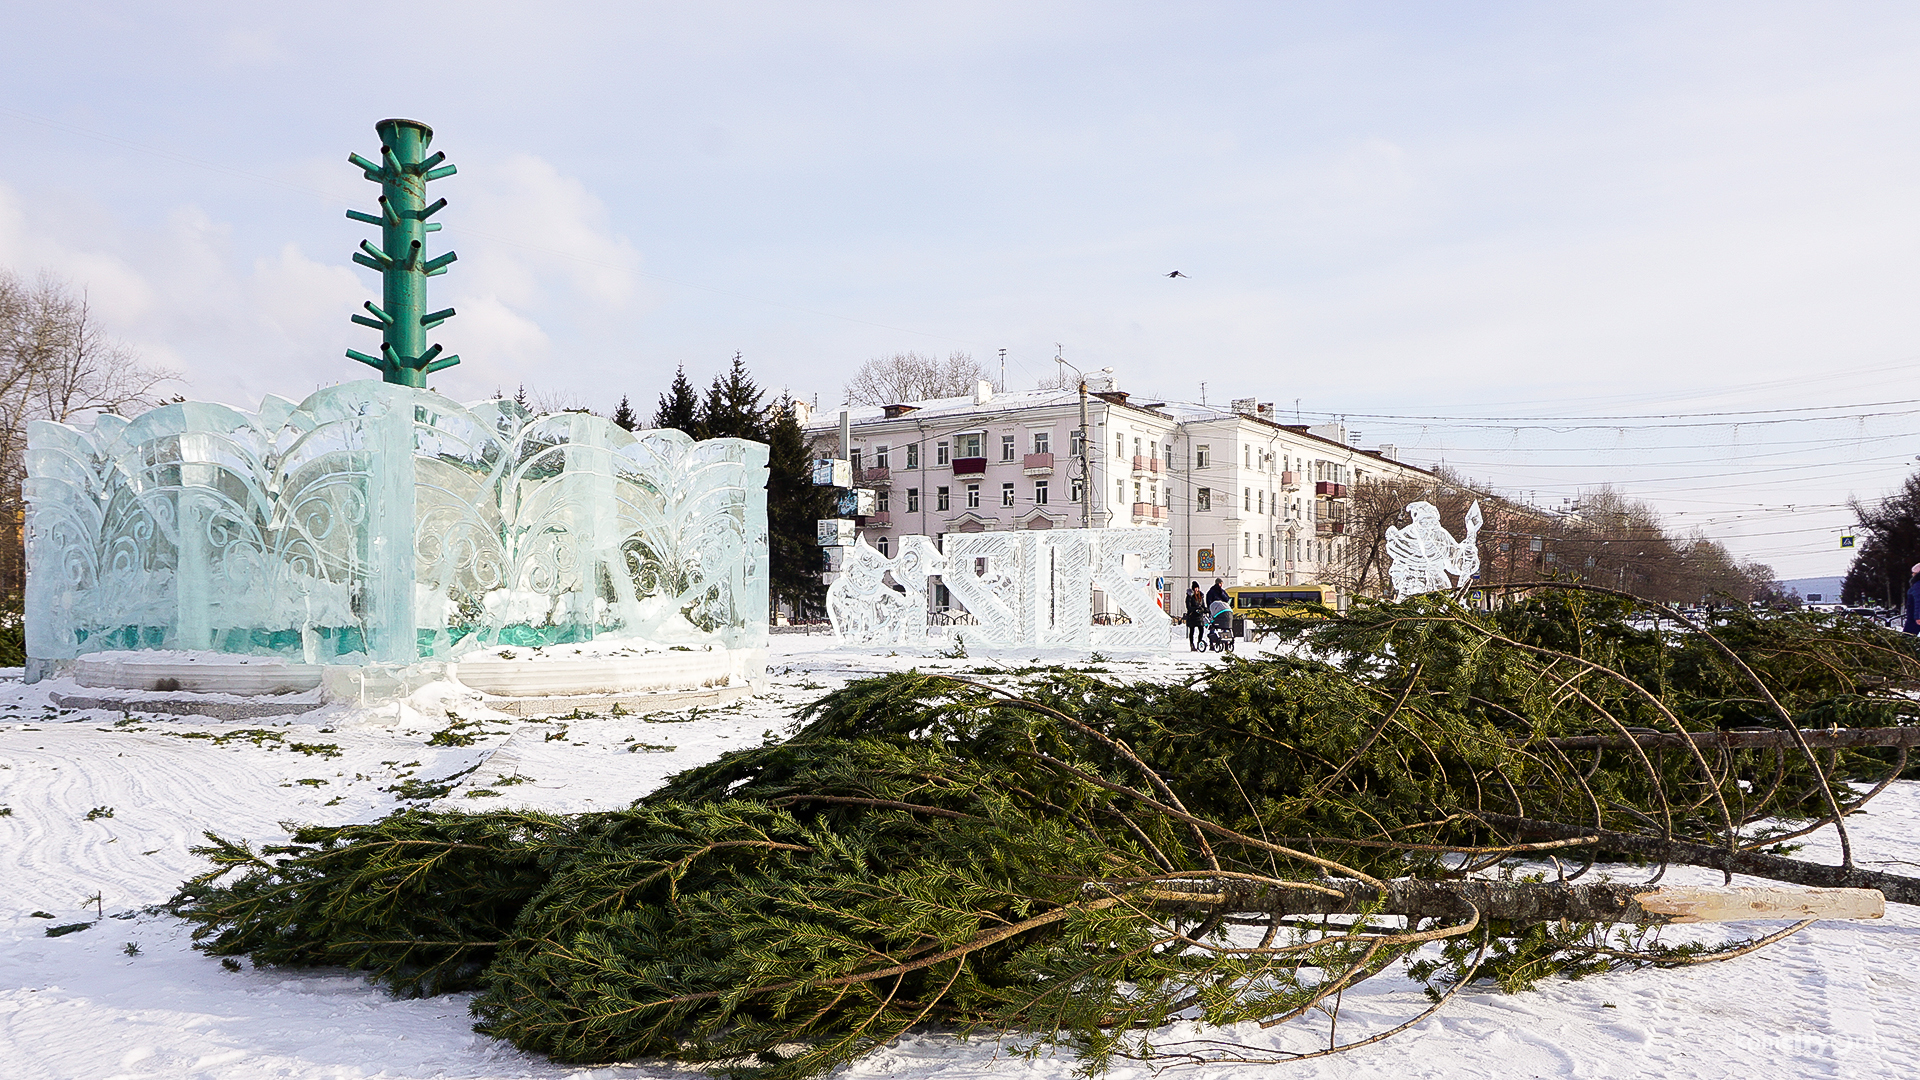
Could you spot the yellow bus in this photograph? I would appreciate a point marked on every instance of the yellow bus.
(1280, 601)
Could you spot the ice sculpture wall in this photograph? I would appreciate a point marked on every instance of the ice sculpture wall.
(1018, 588)
(380, 523)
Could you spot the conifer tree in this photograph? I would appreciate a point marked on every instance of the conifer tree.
(794, 505)
(623, 415)
(680, 407)
(732, 407)
(1889, 545)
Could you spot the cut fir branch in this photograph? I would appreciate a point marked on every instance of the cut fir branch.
(1078, 861)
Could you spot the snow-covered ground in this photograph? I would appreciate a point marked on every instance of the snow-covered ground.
(97, 812)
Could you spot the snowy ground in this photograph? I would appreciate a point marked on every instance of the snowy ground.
(97, 812)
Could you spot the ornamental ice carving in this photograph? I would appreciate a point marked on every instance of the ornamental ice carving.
(1011, 589)
(1424, 553)
(384, 523)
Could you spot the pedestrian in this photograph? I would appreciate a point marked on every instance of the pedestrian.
(1913, 603)
(1196, 610)
(1218, 593)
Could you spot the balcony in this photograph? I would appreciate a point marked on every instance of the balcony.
(1156, 464)
(877, 521)
(1143, 465)
(1289, 481)
(872, 476)
(1326, 490)
(1038, 465)
(969, 466)
(1330, 528)
(1148, 513)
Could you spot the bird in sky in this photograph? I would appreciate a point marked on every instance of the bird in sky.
(1176, 273)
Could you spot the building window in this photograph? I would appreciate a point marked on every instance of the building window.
(1168, 450)
(1136, 491)
(1247, 500)
(973, 496)
(940, 498)
(1246, 543)
(1043, 442)
(1006, 447)
(1119, 446)
(913, 455)
(1039, 493)
(968, 445)
(1136, 446)
(1260, 502)
(854, 459)
(1079, 490)
(1260, 545)
(1006, 494)
(1119, 492)
(1202, 456)
(880, 456)
(880, 501)
(941, 455)
(1203, 499)
(913, 500)
(1076, 442)
(881, 546)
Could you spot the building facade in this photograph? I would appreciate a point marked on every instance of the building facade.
(1247, 499)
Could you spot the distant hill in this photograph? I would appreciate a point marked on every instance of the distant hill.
(1815, 590)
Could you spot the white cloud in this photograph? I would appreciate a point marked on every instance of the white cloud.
(539, 224)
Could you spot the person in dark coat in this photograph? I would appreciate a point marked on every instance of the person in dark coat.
(1913, 603)
(1196, 613)
(1218, 592)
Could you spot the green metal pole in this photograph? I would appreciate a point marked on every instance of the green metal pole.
(403, 172)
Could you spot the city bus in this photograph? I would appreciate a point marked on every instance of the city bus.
(1280, 601)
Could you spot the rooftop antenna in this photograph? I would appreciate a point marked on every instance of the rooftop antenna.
(403, 173)
(1003, 371)
(1296, 410)
(1203, 395)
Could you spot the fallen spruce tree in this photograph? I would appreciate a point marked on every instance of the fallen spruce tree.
(1065, 859)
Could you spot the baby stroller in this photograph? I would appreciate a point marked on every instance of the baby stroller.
(1219, 627)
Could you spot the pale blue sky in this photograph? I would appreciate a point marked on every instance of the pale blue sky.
(1399, 209)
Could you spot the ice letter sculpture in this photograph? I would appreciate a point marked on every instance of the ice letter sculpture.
(1424, 553)
(376, 523)
(1020, 588)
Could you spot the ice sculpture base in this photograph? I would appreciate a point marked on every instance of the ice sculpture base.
(522, 682)
(652, 701)
(211, 706)
(194, 672)
(547, 676)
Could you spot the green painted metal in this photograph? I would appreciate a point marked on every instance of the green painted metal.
(403, 171)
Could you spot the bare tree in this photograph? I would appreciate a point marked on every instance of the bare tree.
(912, 376)
(1610, 540)
(55, 364)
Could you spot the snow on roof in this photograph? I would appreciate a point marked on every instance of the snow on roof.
(828, 417)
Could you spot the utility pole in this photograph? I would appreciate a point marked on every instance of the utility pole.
(403, 173)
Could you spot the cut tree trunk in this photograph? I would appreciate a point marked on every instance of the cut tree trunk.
(1515, 901)
(1769, 739)
(1897, 889)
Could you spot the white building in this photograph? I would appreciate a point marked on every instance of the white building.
(1248, 499)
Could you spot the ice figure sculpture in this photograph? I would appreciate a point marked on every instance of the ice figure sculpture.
(375, 523)
(1424, 553)
(1020, 588)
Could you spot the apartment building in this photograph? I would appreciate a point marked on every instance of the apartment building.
(1248, 499)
